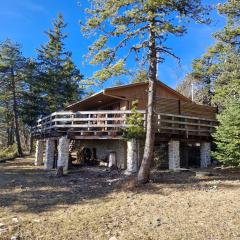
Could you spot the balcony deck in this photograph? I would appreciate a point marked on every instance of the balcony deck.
(110, 125)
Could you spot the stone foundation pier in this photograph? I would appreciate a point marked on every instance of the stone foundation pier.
(174, 154)
(205, 152)
(49, 155)
(132, 156)
(63, 153)
(39, 153)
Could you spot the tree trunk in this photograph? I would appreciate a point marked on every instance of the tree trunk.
(15, 113)
(31, 144)
(144, 172)
(8, 137)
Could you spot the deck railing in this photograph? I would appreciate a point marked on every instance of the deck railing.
(112, 122)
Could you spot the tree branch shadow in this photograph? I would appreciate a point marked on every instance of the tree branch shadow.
(31, 189)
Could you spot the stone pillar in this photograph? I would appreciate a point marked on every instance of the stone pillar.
(49, 155)
(63, 153)
(174, 154)
(132, 156)
(205, 154)
(112, 160)
(39, 153)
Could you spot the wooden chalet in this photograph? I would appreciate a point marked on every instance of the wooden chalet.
(95, 125)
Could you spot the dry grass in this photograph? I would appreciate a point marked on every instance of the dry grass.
(95, 204)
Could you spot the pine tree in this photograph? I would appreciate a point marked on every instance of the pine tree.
(31, 106)
(141, 76)
(140, 27)
(11, 64)
(202, 78)
(218, 71)
(60, 78)
(227, 136)
(228, 46)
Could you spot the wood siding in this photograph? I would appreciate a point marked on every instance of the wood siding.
(121, 98)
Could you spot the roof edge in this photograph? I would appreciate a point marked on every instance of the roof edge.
(125, 86)
(93, 95)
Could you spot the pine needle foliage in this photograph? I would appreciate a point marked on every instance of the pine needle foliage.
(135, 124)
(227, 136)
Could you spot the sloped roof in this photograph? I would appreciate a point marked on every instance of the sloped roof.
(105, 97)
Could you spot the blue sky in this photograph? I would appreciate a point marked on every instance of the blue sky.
(25, 21)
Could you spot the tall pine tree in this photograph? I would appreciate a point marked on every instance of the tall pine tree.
(218, 71)
(139, 27)
(31, 106)
(60, 78)
(11, 64)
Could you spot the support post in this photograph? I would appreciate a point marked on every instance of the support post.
(49, 155)
(39, 153)
(63, 154)
(132, 156)
(174, 154)
(112, 160)
(205, 154)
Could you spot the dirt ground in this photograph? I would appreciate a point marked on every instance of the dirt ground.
(92, 203)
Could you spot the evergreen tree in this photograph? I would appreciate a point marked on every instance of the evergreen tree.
(218, 71)
(202, 78)
(140, 27)
(227, 136)
(227, 84)
(141, 76)
(11, 64)
(185, 87)
(31, 106)
(60, 78)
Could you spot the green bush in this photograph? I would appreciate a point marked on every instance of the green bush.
(135, 122)
(9, 152)
(227, 136)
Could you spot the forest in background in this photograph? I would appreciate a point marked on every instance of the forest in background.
(32, 88)
(215, 79)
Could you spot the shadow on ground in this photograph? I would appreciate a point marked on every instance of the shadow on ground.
(31, 189)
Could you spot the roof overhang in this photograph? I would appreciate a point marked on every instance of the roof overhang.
(106, 96)
(92, 102)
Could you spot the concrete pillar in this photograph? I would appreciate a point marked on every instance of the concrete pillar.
(132, 156)
(112, 160)
(39, 153)
(174, 154)
(205, 154)
(63, 153)
(49, 155)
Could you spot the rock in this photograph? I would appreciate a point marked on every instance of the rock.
(112, 238)
(3, 228)
(203, 174)
(2, 225)
(15, 238)
(15, 220)
(157, 223)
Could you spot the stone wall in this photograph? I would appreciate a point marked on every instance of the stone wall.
(49, 156)
(63, 153)
(39, 153)
(104, 147)
(174, 154)
(205, 152)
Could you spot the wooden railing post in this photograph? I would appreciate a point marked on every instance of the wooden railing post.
(99, 121)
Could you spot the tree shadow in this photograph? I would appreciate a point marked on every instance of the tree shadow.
(31, 189)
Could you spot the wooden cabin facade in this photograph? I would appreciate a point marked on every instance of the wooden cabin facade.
(97, 123)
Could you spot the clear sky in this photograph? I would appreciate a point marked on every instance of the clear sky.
(24, 21)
